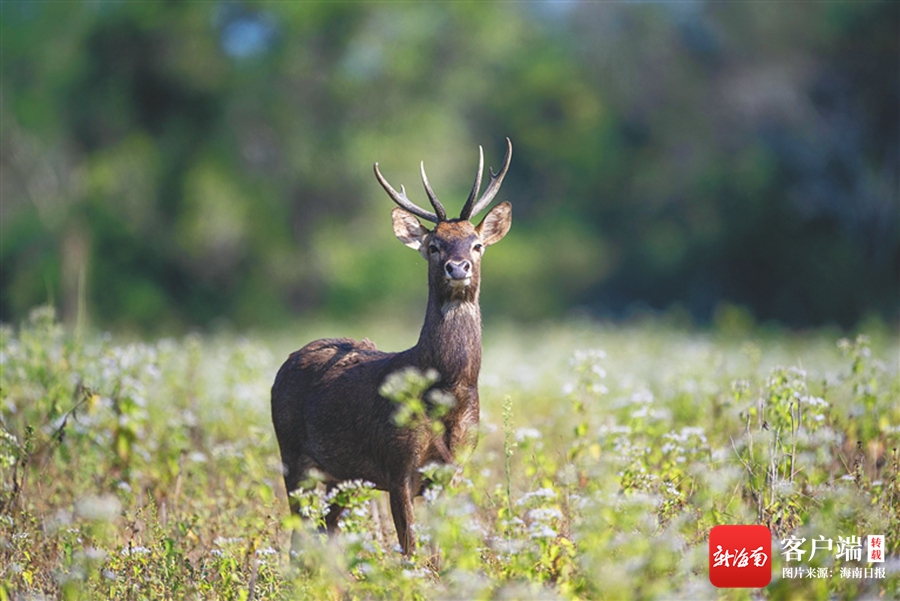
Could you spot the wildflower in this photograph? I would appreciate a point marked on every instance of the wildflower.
(740, 387)
(94, 554)
(432, 492)
(516, 522)
(814, 401)
(197, 457)
(797, 372)
(406, 381)
(523, 434)
(349, 485)
(541, 493)
(589, 355)
(613, 429)
(640, 413)
(103, 507)
(545, 514)
(540, 530)
(222, 541)
(642, 397)
(461, 509)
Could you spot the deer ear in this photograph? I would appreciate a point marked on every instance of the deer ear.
(408, 229)
(495, 224)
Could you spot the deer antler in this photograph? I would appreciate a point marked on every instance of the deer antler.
(470, 209)
(438, 207)
(476, 186)
(404, 202)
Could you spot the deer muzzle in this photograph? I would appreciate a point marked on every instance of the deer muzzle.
(458, 273)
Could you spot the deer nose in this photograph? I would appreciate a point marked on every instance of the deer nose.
(458, 270)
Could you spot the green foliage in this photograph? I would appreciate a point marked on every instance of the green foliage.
(149, 470)
(168, 165)
(416, 406)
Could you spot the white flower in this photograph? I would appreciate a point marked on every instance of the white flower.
(814, 401)
(642, 397)
(523, 434)
(432, 492)
(545, 514)
(222, 541)
(99, 508)
(640, 413)
(613, 429)
(540, 530)
(541, 493)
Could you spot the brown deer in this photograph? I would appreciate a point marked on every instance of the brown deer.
(326, 407)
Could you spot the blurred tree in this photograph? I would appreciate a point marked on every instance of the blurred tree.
(176, 164)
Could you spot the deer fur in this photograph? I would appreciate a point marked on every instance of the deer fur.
(326, 407)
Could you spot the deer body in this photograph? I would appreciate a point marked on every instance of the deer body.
(326, 407)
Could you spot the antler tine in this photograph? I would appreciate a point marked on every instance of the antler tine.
(438, 207)
(494, 185)
(467, 208)
(401, 199)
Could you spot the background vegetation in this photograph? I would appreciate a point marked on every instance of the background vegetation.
(134, 471)
(206, 167)
(167, 165)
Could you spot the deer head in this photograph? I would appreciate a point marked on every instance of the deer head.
(454, 247)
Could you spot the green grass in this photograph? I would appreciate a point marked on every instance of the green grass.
(150, 470)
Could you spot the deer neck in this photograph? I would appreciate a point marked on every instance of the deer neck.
(450, 340)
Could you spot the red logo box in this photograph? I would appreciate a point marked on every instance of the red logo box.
(740, 556)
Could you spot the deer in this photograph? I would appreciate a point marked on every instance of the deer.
(330, 418)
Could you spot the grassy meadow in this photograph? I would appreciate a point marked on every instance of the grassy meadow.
(150, 470)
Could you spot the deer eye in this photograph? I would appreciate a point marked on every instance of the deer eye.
(432, 248)
(478, 247)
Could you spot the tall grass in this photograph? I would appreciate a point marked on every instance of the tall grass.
(150, 470)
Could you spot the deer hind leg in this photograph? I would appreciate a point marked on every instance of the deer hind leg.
(334, 512)
(296, 474)
(402, 512)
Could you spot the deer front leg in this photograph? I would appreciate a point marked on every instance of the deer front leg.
(402, 512)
